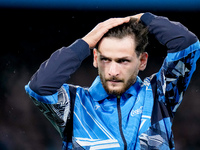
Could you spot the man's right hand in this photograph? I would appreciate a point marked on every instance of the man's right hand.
(93, 37)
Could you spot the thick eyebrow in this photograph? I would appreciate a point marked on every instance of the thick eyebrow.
(116, 59)
(124, 58)
(102, 56)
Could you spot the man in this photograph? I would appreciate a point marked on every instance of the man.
(119, 111)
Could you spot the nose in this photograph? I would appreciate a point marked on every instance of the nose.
(113, 69)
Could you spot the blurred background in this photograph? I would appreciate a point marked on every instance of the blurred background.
(30, 30)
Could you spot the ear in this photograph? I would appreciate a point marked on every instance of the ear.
(143, 61)
(95, 63)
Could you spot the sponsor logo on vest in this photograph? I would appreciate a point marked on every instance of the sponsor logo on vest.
(137, 111)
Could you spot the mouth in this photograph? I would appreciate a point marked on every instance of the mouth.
(114, 81)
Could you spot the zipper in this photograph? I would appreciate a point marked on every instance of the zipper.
(120, 122)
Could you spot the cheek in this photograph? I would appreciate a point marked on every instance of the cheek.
(101, 69)
(130, 72)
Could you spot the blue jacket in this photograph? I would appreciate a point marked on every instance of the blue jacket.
(89, 118)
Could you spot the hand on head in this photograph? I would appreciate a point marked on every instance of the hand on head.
(93, 37)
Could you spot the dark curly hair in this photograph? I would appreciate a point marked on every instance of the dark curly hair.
(133, 28)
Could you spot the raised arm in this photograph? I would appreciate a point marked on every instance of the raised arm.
(173, 35)
(175, 74)
(55, 71)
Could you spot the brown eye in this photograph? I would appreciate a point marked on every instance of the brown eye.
(104, 59)
(123, 61)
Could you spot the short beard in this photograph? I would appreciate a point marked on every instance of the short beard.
(125, 87)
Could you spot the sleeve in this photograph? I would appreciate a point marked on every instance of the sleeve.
(47, 87)
(180, 63)
(58, 113)
(55, 71)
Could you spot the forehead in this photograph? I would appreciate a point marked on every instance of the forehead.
(115, 47)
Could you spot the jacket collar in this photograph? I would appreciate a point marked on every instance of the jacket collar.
(98, 92)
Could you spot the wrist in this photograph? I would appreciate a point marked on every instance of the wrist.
(86, 40)
(146, 18)
(81, 48)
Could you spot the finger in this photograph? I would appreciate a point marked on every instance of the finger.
(96, 34)
(137, 16)
(111, 23)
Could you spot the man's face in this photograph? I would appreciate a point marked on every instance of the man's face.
(118, 64)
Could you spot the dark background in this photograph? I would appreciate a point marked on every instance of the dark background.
(29, 36)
